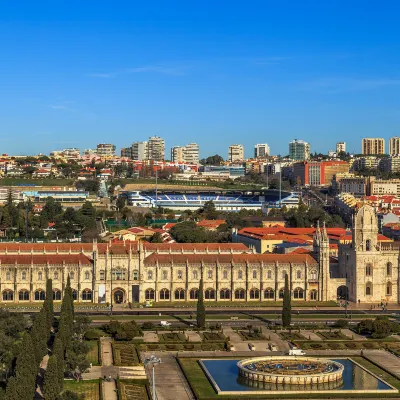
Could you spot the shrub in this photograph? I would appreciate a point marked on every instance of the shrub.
(148, 325)
(341, 323)
(351, 345)
(92, 335)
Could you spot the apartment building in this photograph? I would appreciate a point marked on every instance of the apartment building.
(156, 148)
(350, 183)
(299, 150)
(235, 152)
(261, 150)
(372, 146)
(394, 146)
(385, 187)
(185, 154)
(340, 147)
(140, 151)
(105, 150)
(390, 164)
(126, 152)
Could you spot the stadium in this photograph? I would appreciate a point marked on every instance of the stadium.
(224, 201)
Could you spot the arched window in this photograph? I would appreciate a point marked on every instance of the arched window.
(8, 295)
(149, 294)
(57, 295)
(239, 294)
(179, 274)
(40, 275)
(254, 274)
(389, 269)
(269, 293)
(254, 294)
(281, 293)
(368, 245)
(194, 294)
(224, 294)
(74, 294)
(135, 275)
(164, 294)
(298, 274)
(209, 274)
(195, 274)
(23, 295)
(389, 289)
(298, 293)
(40, 294)
(313, 294)
(87, 295)
(87, 275)
(284, 273)
(313, 275)
(165, 275)
(56, 275)
(269, 274)
(368, 289)
(240, 274)
(72, 275)
(179, 294)
(150, 275)
(209, 294)
(23, 275)
(102, 274)
(368, 270)
(8, 275)
(225, 274)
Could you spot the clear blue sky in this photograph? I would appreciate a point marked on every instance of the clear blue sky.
(76, 73)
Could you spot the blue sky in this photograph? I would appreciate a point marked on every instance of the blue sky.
(76, 73)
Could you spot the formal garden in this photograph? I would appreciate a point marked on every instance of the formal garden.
(133, 390)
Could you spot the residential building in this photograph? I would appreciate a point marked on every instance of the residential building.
(156, 148)
(299, 150)
(394, 146)
(385, 187)
(72, 153)
(185, 154)
(235, 153)
(373, 146)
(177, 154)
(140, 151)
(340, 147)
(350, 183)
(366, 163)
(261, 151)
(105, 150)
(390, 164)
(318, 173)
(126, 152)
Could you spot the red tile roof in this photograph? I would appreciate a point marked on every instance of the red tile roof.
(27, 259)
(236, 247)
(210, 223)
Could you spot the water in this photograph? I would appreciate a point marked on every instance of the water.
(225, 374)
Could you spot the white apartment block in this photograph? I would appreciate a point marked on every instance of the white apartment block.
(340, 147)
(261, 150)
(140, 151)
(156, 148)
(185, 154)
(105, 150)
(394, 146)
(235, 152)
(385, 187)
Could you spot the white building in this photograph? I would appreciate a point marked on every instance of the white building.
(105, 150)
(394, 146)
(140, 151)
(185, 154)
(156, 148)
(261, 150)
(235, 152)
(340, 147)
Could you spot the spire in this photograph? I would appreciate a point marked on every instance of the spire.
(324, 233)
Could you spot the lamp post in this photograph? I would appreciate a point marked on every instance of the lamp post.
(152, 360)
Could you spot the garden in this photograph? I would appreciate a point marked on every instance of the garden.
(290, 336)
(94, 351)
(332, 335)
(125, 354)
(89, 389)
(172, 337)
(133, 390)
(213, 336)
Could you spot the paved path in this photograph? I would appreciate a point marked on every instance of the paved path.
(109, 390)
(106, 351)
(150, 337)
(170, 381)
(193, 336)
(311, 335)
(353, 335)
(385, 359)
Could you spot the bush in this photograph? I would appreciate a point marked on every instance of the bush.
(92, 335)
(148, 325)
(341, 323)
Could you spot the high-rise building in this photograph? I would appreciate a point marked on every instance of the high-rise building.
(372, 146)
(140, 151)
(299, 150)
(235, 152)
(261, 150)
(105, 150)
(156, 148)
(188, 154)
(126, 152)
(394, 146)
(340, 147)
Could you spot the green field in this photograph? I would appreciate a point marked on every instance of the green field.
(37, 182)
(93, 355)
(90, 389)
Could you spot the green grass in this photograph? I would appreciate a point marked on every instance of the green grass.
(125, 354)
(132, 390)
(172, 337)
(93, 355)
(246, 335)
(333, 335)
(291, 336)
(90, 389)
(213, 336)
(37, 182)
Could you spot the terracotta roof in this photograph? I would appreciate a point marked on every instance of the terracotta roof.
(27, 259)
(238, 247)
(48, 247)
(229, 258)
(211, 223)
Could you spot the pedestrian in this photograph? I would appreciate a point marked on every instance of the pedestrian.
(91, 365)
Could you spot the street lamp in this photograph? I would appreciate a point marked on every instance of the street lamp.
(152, 360)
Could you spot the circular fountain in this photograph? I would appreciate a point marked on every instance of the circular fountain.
(291, 370)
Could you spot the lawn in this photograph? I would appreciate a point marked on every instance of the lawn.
(37, 182)
(93, 355)
(213, 336)
(132, 390)
(339, 345)
(182, 346)
(125, 354)
(172, 337)
(332, 335)
(90, 389)
(246, 335)
(291, 336)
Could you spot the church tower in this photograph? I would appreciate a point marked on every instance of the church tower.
(321, 254)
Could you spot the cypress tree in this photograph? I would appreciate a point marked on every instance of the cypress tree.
(40, 335)
(12, 389)
(49, 304)
(201, 310)
(51, 387)
(66, 325)
(287, 305)
(58, 351)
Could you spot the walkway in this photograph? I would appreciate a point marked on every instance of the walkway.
(385, 360)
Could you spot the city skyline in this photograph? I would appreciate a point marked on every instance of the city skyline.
(79, 75)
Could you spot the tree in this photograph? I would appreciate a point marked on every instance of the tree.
(12, 389)
(66, 325)
(68, 395)
(287, 306)
(58, 351)
(48, 303)
(120, 203)
(51, 387)
(40, 335)
(156, 238)
(81, 325)
(75, 359)
(201, 310)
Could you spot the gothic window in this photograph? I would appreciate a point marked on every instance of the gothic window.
(8, 276)
(240, 274)
(87, 275)
(225, 274)
(284, 273)
(149, 294)
(23, 275)
(55, 275)
(179, 294)
(40, 275)
(239, 294)
(72, 276)
(389, 269)
(179, 274)
(209, 294)
(56, 294)
(87, 295)
(298, 274)
(269, 293)
(8, 295)
(298, 293)
(135, 275)
(23, 295)
(254, 294)
(368, 289)
(209, 274)
(254, 274)
(150, 275)
(224, 294)
(164, 294)
(194, 294)
(165, 275)
(368, 245)
(269, 274)
(313, 275)
(389, 289)
(102, 274)
(40, 294)
(368, 270)
(281, 293)
(313, 294)
(195, 274)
